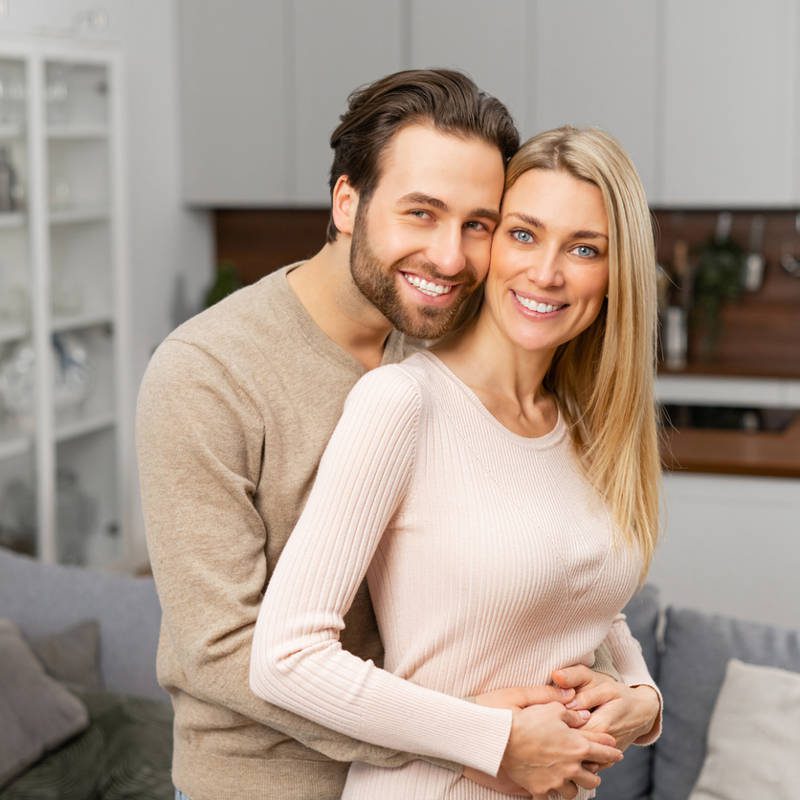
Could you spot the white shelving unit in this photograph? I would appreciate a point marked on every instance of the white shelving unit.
(62, 290)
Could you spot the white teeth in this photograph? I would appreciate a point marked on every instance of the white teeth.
(427, 287)
(532, 305)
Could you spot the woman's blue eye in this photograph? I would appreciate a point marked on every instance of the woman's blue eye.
(522, 236)
(584, 251)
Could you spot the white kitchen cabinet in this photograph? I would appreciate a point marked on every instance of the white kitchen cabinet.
(236, 98)
(597, 64)
(335, 48)
(65, 439)
(731, 546)
(730, 115)
(490, 43)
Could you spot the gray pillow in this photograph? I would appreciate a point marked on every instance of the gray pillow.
(630, 779)
(72, 656)
(36, 712)
(697, 649)
(44, 598)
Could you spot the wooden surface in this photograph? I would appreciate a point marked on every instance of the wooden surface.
(731, 452)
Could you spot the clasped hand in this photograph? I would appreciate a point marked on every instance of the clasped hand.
(563, 735)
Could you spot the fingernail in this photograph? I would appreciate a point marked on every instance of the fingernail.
(584, 714)
(572, 704)
(566, 692)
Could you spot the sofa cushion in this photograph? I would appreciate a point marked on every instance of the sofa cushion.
(697, 648)
(72, 656)
(36, 712)
(630, 779)
(44, 598)
(124, 754)
(754, 736)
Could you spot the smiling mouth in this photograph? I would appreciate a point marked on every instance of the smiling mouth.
(539, 308)
(430, 288)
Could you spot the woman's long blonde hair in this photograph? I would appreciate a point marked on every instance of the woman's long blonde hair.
(603, 378)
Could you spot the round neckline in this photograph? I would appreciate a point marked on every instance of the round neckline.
(552, 437)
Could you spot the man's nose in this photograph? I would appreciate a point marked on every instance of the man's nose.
(447, 252)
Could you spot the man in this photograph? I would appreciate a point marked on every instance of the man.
(238, 404)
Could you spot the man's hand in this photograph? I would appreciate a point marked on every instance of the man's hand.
(625, 712)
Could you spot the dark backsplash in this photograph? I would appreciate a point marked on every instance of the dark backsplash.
(760, 332)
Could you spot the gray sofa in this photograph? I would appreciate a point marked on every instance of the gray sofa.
(686, 651)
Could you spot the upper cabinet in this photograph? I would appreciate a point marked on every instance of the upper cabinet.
(234, 95)
(730, 103)
(704, 95)
(489, 43)
(597, 64)
(361, 40)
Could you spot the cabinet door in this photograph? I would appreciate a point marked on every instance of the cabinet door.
(234, 93)
(488, 42)
(729, 115)
(596, 64)
(337, 47)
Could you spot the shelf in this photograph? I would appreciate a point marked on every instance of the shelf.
(88, 320)
(11, 131)
(82, 427)
(77, 215)
(12, 219)
(16, 446)
(12, 333)
(76, 132)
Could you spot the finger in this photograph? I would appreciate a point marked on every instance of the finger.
(593, 766)
(575, 719)
(593, 696)
(572, 677)
(599, 737)
(586, 779)
(536, 695)
(569, 790)
(602, 753)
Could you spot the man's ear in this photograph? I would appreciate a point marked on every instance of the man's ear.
(344, 205)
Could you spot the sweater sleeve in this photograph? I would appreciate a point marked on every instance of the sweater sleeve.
(297, 659)
(627, 658)
(199, 445)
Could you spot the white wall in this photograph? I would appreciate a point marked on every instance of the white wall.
(168, 245)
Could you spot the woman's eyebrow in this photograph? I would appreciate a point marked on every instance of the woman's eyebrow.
(537, 223)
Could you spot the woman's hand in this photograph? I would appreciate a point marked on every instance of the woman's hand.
(544, 752)
(626, 712)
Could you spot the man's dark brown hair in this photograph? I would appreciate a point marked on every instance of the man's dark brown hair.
(446, 99)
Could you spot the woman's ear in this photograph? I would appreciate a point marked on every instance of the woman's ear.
(344, 205)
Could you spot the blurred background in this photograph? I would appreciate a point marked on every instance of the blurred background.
(156, 154)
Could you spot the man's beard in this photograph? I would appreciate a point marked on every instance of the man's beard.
(377, 283)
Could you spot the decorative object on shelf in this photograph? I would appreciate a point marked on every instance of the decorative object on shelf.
(718, 276)
(8, 182)
(12, 94)
(18, 516)
(76, 513)
(57, 94)
(226, 282)
(790, 256)
(71, 373)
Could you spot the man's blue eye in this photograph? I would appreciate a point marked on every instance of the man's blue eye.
(522, 236)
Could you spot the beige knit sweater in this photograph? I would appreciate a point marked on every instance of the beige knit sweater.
(490, 563)
(235, 410)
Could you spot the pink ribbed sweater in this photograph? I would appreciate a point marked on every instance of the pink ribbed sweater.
(490, 563)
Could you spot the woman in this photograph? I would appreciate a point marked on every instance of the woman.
(499, 492)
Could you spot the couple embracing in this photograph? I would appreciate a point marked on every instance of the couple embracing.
(467, 519)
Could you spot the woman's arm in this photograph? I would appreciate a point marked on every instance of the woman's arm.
(297, 661)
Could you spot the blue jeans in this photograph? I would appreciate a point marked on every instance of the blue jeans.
(179, 795)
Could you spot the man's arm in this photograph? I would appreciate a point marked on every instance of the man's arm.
(199, 440)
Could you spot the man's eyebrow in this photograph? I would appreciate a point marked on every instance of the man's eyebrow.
(537, 223)
(420, 198)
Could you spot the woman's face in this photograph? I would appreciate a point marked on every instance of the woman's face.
(549, 266)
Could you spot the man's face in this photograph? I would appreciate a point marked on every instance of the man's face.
(420, 245)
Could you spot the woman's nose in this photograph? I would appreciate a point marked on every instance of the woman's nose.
(546, 269)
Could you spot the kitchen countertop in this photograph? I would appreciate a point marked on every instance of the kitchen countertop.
(733, 452)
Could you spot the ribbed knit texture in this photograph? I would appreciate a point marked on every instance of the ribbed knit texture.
(490, 563)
